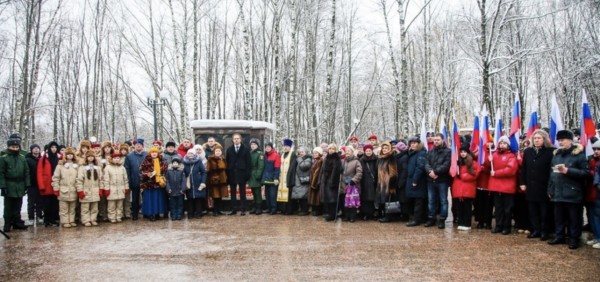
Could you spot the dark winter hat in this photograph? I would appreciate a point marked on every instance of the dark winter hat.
(269, 144)
(288, 142)
(138, 141)
(368, 146)
(564, 134)
(34, 146)
(15, 136)
(60, 147)
(466, 148)
(129, 143)
(52, 143)
(171, 144)
(414, 139)
(596, 145)
(394, 142)
(255, 141)
(176, 159)
(13, 141)
(576, 131)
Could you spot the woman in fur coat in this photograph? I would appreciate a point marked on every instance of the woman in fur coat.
(217, 178)
(88, 189)
(387, 176)
(152, 172)
(314, 200)
(63, 183)
(331, 171)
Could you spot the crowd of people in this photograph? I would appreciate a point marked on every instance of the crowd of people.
(540, 191)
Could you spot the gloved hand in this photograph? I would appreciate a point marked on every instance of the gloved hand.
(202, 186)
(81, 195)
(56, 193)
(352, 183)
(3, 192)
(276, 182)
(106, 193)
(126, 191)
(101, 193)
(348, 180)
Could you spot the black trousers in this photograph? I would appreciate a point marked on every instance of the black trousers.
(503, 205)
(194, 207)
(521, 213)
(233, 188)
(299, 203)
(568, 214)
(538, 216)
(484, 206)
(135, 202)
(34, 205)
(419, 209)
(50, 209)
(367, 209)
(464, 211)
(12, 210)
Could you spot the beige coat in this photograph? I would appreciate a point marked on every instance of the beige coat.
(115, 180)
(64, 179)
(89, 186)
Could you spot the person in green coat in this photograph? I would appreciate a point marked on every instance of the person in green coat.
(257, 160)
(14, 181)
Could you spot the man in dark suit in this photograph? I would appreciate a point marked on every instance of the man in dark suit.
(238, 172)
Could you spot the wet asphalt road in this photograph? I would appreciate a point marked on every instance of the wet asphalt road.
(285, 248)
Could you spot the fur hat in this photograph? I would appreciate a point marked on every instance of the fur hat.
(414, 139)
(318, 150)
(372, 136)
(90, 154)
(218, 146)
(400, 146)
(123, 147)
(504, 139)
(368, 146)
(13, 141)
(255, 141)
(596, 145)
(288, 142)
(115, 155)
(564, 134)
(171, 143)
(153, 150)
(106, 143)
(69, 151)
(84, 143)
(157, 143)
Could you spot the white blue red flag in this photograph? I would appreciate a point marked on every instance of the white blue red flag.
(556, 123)
(515, 126)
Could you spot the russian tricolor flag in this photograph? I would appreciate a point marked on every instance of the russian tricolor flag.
(424, 134)
(515, 126)
(444, 131)
(475, 135)
(556, 123)
(587, 126)
(498, 132)
(454, 169)
(533, 124)
(485, 136)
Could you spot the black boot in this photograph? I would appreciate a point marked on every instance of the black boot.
(430, 222)
(258, 210)
(7, 227)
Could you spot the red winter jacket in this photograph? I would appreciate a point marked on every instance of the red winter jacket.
(182, 151)
(505, 172)
(44, 176)
(519, 165)
(590, 191)
(465, 184)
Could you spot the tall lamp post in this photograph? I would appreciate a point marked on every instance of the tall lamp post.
(154, 103)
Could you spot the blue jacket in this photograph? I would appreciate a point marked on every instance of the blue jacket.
(416, 174)
(195, 170)
(133, 161)
(272, 166)
(176, 181)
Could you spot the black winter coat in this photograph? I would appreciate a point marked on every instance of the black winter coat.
(32, 162)
(402, 164)
(331, 171)
(291, 173)
(438, 160)
(239, 165)
(369, 178)
(416, 174)
(568, 188)
(535, 173)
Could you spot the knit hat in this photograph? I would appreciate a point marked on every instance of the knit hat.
(372, 137)
(34, 146)
(465, 148)
(138, 141)
(564, 134)
(504, 139)
(288, 142)
(255, 141)
(394, 142)
(596, 145)
(269, 144)
(318, 150)
(170, 144)
(193, 151)
(401, 147)
(153, 150)
(176, 159)
(368, 146)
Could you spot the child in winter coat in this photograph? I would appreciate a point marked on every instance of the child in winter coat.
(464, 187)
(88, 189)
(176, 186)
(116, 186)
(63, 184)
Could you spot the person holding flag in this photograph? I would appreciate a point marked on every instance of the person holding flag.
(484, 203)
(502, 165)
(464, 187)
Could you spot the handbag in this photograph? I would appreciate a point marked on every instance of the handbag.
(304, 179)
(352, 199)
(392, 207)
